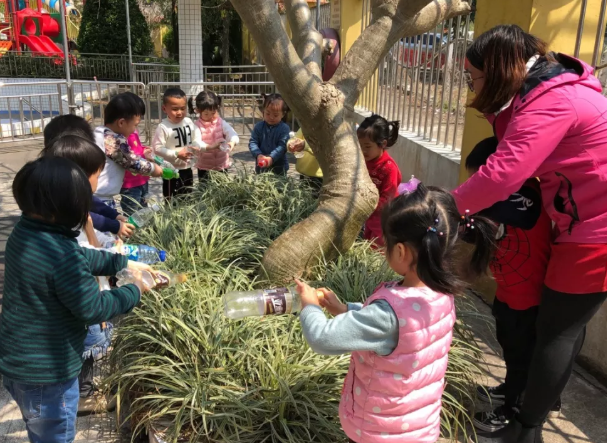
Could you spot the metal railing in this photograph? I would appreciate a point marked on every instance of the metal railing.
(163, 73)
(421, 83)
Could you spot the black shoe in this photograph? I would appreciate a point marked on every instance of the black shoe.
(555, 412)
(495, 395)
(493, 420)
(513, 432)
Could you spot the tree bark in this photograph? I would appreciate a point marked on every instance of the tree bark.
(348, 195)
(225, 36)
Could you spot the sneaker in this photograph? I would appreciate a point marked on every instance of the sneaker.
(555, 412)
(512, 432)
(93, 404)
(492, 421)
(495, 395)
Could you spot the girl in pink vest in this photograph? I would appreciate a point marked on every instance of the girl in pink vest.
(218, 137)
(400, 337)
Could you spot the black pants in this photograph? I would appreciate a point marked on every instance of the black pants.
(515, 332)
(278, 169)
(561, 326)
(85, 378)
(178, 186)
(204, 175)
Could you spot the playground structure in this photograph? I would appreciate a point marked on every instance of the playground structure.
(34, 27)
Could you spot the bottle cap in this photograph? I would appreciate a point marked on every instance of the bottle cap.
(291, 134)
(162, 255)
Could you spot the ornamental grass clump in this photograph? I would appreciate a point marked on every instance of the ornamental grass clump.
(196, 376)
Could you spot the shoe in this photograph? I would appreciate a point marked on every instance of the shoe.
(495, 395)
(492, 421)
(555, 412)
(93, 404)
(513, 432)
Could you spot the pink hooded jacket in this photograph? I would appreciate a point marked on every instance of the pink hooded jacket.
(555, 129)
(398, 397)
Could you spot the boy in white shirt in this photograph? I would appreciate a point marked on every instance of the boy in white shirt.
(174, 135)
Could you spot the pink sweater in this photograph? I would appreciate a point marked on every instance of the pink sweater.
(212, 132)
(398, 397)
(130, 180)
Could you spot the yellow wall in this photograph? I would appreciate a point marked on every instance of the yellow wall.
(555, 21)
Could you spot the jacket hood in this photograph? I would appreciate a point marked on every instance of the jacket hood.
(547, 74)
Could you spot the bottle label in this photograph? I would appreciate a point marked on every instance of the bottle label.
(277, 301)
(161, 280)
(131, 252)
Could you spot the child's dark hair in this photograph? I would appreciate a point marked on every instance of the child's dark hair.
(205, 101)
(139, 101)
(378, 130)
(172, 93)
(55, 189)
(121, 106)
(80, 150)
(428, 221)
(481, 152)
(271, 99)
(67, 124)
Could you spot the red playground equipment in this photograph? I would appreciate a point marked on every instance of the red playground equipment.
(27, 29)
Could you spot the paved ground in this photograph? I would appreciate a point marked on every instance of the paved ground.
(584, 401)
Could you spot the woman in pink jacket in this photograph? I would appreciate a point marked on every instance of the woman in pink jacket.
(550, 117)
(400, 337)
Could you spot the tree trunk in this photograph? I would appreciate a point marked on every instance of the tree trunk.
(226, 20)
(175, 26)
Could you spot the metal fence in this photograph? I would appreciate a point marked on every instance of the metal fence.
(163, 73)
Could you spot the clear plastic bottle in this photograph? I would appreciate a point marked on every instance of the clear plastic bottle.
(163, 163)
(141, 253)
(292, 138)
(163, 279)
(142, 217)
(224, 146)
(240, 304)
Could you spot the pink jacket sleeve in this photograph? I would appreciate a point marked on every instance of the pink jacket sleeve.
(532, 135)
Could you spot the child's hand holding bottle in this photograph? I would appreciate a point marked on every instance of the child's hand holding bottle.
(185, 154)
(308, 295)
(331, 303)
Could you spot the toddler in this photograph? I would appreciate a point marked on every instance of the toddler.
(175, 139)
(268, 143)
(376, 135)
(121, 117)
(400, 337)
(215, 133)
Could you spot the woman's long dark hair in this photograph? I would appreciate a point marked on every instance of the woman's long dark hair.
(502, 54)
(429, 222)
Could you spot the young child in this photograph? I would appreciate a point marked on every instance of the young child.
(268, 143)
(214, 132)
(46, 307)
(519, 269)
(307, 166)
(105, 219)
(135, 188)
(174, 135)
(121, 116)
(400, 337)
(376, 135)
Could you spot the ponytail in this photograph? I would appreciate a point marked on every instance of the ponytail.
(379, 130)
(393, 134)
(480, 232)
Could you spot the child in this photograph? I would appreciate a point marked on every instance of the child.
(174, 135)
(46, 307)
(105, 219)
(376, 135)
(307, 166)
(214, 132)
(400, 337)
(121, 116)
(134, 192)
(519, 269)
(268, 143)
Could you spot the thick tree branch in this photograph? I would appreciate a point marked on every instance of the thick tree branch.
(306, 38)
(290, 75)
(392, 20)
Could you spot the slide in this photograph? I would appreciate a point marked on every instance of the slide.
(41, 44)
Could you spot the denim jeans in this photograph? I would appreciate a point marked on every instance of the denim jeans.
(96, 346)
(134, 199)
(49, 411)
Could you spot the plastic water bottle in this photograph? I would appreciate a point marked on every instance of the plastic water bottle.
(225, 147)
(163, 163)
(142, 217)
(141, 253)
(292, 138)
(163, 279)
(240, 304)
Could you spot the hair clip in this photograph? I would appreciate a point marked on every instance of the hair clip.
(467, 222)
(408, 187)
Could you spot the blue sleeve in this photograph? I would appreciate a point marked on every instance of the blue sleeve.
(98, 207)
(279, 151)
(104, 224)
(371, 328)
(255, 141)
(521, 210)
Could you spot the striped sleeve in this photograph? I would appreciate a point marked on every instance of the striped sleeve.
(104, 263)
(77, 289)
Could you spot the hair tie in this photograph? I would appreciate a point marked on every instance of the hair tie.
(409, 187)
(433, 228)
(466, 222)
